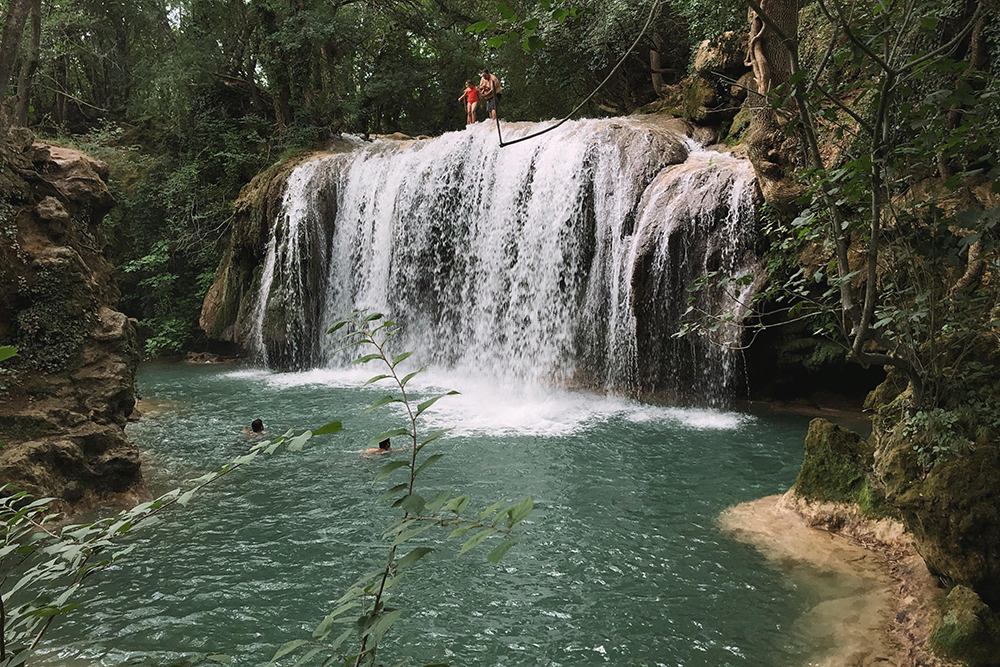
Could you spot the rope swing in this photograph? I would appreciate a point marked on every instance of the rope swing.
(653, 12)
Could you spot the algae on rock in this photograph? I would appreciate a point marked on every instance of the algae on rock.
(67, 396)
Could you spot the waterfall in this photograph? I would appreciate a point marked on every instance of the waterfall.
(561, 260)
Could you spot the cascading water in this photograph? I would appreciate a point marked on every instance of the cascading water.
(565, 259)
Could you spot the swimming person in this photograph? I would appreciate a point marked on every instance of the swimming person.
(490, 90)
(256, 427)
(471, 97)
(384, 447)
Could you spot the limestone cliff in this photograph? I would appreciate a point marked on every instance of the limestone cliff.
(230, 300)
(66, 397)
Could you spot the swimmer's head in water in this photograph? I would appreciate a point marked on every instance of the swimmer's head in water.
(257, 426)
(385, 444)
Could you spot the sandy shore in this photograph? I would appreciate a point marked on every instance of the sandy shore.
(877, 600)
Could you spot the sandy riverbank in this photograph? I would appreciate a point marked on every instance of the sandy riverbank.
(877, 599)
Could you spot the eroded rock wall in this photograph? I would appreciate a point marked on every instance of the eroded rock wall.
(65, 399)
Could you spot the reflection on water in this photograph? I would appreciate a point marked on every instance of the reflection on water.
(621, 563)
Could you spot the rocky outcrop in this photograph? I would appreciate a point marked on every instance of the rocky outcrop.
(66, 397)
(946, 491)
(836, 466)
(231, 299)
(968, 629)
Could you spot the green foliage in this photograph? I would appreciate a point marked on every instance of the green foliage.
(42, 566)
(512, 28)
(364, 610)
(934, 434)
(7, 351)
(896, 225)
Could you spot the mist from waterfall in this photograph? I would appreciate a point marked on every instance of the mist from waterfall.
(561, 260)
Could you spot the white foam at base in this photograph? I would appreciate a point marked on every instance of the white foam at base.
(484, 407)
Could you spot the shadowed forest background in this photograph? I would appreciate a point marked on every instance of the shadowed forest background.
(187, 101)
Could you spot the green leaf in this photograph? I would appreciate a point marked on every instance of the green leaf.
(519, 512)
(324, 627)
(391, 492)
(341, 639)
(428, 462)
(412, 375)
(462, 530)
(439, 500)
(327, 429)
(7, 351)
(501, 549)
(377, 378)
(412, 557)
(389, 468)
(489, 510)
(337, 326)
(431, 401)
(287, 648)
(309, 654)
(385, 400)
(413, 503)
(365, 359)
(383, 624)
(410, 534)
(388, 434)
(432, 437)
(456, 505)
(372, 318)
(185, 498)
(476, 540)
(297, 443)
(401, 358)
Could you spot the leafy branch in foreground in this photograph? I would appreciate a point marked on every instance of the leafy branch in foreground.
(364, 608)
(42, 567)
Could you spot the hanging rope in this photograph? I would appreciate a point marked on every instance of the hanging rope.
(654, 10)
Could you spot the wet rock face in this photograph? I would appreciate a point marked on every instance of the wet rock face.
(953, 511)
(968, 629)
(65, 399)
(836, 464)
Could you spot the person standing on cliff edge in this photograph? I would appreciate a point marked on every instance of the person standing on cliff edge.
(490, 90)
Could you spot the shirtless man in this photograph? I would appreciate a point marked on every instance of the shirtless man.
(490, 90)
(384, 447)
(256, 428)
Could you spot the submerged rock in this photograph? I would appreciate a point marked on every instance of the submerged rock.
(969, 630)
(67, 395)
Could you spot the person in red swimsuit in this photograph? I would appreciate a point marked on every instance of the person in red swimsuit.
(471, 98)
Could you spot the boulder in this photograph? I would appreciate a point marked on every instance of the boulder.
(968, 630)
(65, 399)
(726, 53)
(836, 466)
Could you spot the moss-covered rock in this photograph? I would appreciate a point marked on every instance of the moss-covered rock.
(232, 298)
(65, 399)
(969, 630)
(836, 467)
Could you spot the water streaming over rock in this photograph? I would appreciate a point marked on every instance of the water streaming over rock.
(561, 260)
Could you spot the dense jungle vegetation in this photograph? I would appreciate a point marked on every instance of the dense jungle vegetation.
(187, 100)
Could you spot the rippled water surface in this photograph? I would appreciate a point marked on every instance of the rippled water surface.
(621, 562)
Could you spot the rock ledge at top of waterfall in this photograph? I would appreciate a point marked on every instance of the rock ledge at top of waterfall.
(564, 259)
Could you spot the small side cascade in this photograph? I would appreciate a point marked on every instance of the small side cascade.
(565, 260)
(286, 313)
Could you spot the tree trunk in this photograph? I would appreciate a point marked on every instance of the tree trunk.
(656, 67)
(772, 153)
(29, 66)
(10, 44)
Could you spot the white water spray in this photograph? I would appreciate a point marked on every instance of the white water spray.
(562, 260)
